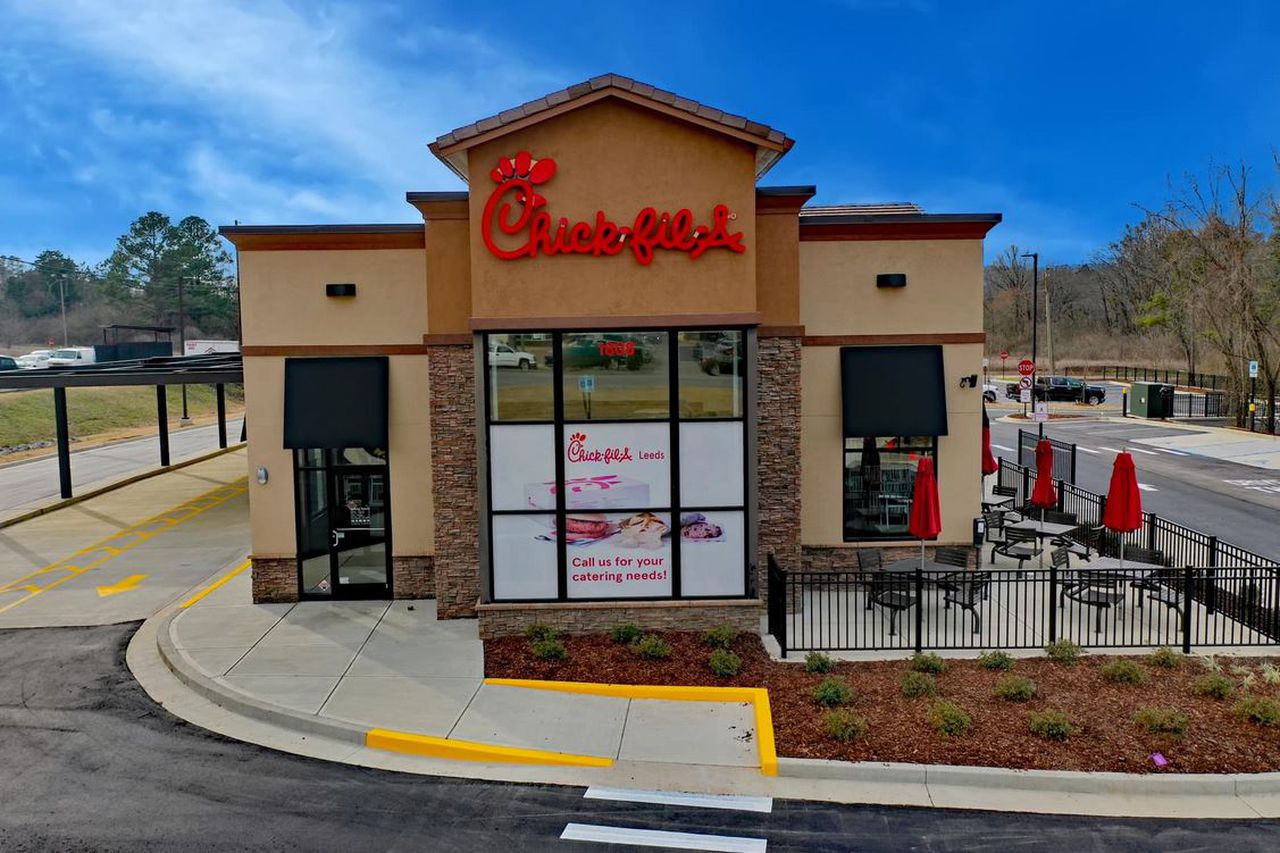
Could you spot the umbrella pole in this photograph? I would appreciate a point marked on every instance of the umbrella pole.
(1042, 534)
(922, 555)
(1121, 552)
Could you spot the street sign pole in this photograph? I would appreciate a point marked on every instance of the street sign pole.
(1253, 396)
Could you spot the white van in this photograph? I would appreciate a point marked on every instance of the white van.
(71, 357)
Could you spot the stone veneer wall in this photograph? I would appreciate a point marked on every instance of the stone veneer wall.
(820, 558)
(275, 579)
(413, 577)
(777, 455)
(454, 479)
(592, 617)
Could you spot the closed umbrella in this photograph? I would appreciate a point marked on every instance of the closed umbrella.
(989, 464)
(926, 516)
(1044, 495)
(1123, 513)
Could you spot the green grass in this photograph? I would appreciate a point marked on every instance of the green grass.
(27, 416)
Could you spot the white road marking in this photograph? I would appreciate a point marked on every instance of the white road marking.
(1086, 449)
(1174, 452)
(1002, 447)
(731, 802)
(1140, 450)
(1144, 487)
(1111, 450)
(662, 838)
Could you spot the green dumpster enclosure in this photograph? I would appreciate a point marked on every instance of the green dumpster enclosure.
(1151, 400)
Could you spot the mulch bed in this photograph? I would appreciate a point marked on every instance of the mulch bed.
(1106, 737)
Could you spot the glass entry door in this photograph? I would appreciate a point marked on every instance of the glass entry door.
(343, 525)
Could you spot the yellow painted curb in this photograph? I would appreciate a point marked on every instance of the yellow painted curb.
(219, 582)
(757, 696)
(465, 750)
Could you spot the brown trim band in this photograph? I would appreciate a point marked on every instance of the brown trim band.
(492, 324)
(780, 332)
(883, 340)
(335, 349)
(327, 242)
(812, 231)
(446, 339)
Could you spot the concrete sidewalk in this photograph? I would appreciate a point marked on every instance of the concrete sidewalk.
(1258, 450)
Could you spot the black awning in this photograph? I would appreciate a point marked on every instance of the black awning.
(335, 402)
(893, 391)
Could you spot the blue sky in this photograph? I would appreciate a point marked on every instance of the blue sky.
(1060, 115)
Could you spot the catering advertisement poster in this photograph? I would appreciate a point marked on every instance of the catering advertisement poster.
(609, 466)
(618, 554)
(712, 555)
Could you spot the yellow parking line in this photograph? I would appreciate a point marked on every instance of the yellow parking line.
(219, 582)
(162, 522)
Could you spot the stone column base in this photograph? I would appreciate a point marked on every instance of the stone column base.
(413, 576)
(275, 579)
(597, 617)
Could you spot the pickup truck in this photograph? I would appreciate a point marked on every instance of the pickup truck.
(1062, 388)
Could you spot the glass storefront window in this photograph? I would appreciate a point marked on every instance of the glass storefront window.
(616, 375)
(879, 479)
(712, 369)
(520, 377)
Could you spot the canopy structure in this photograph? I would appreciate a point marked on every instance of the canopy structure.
(218, 370)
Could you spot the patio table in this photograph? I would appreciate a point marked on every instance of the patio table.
(1108, 569)
(910, 564)
(1042, 528)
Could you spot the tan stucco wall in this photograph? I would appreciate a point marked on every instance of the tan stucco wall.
(838, 293)
(620, 158)
(778, 268)
(822, 447)
(285, 302)
(449, 274)
(272, 528)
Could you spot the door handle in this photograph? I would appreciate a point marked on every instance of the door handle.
(337, 537)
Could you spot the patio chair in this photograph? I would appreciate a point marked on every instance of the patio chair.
(968, 593)
(895, 593)
(1098, 597)
(993, 520)
(1020, 545)
(1053, 516)
(1152, 582)
(1081, 542)
(869, 560)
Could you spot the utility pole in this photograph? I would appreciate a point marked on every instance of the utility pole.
(182, 343)
(1048, 323)
(1035, 326)
(62, 297)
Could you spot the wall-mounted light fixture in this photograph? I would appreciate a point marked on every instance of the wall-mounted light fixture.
(341, 289)
(970, 381)
(263, 475)
(891, 279)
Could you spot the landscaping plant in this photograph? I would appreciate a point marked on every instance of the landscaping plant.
(1050, 724)
(653, 647)
(1165, 658)
(625, 633)
(949, 719)
(917, 684)
(539, 631)
(818, 662)
(833, 691)
(549, 648)
(1210, 663)
(1260, 710)
(1246, 675)
(720, 637)
(1123, 671)
(927, 662)
(844, 725)
(725, 663)
(1063, 651)
(1215, 686)
(1162, 721)
(1015, 688)
(998, 660)
(1271, 673)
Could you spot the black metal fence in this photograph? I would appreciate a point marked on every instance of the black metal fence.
(1186, 378)
(1207, 404)
(1064, 455)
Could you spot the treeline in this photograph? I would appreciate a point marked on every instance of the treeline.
(138, 284)
(1193, 283)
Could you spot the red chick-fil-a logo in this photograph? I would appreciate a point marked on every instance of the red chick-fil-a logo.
(515, 209)
(579, 452)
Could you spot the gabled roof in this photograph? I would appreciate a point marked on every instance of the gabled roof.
(770, 143)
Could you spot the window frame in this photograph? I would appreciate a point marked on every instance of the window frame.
(845, 452)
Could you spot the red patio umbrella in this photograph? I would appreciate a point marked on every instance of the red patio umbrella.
(926, 515)
(1044, 495)
(989, 464)
(1123, 513)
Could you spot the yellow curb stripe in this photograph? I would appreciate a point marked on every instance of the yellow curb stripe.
(757, 696)
(219, 582)
(466, 750)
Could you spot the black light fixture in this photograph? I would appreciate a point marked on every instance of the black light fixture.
(891, 279)
(343, 289)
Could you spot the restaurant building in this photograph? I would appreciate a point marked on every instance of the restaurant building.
(607, 380)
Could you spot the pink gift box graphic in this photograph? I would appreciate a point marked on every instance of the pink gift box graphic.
(601, 492)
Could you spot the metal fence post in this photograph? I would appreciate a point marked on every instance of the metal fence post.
(1151, 531)
(1211, 588)
(1186, 610)
(919, 609)
(1053, 602)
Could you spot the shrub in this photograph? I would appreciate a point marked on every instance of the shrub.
(1248, 679)
(1210, 663)
(720, 637)
(653, 647)
(844, 725)
(1271, 674)
(833, 691)
(1051, 725)
(1063, 651)
(1016, 689)
(917, 684)
(725, 663)
(1215, 686)
(1162, 721)
(1002, 661)
(927, 662)
(818, 662)
(549, 648)
(1165, 658)
(1260, 710)
(949, 720)
(539, 631)
(1123, 672)
(626, 633)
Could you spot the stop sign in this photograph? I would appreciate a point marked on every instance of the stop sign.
(1004, 353)
(1026, 367)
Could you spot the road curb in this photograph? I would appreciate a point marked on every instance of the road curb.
(117, 484)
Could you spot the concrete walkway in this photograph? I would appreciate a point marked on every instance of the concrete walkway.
(1230, 445)
(393, 665)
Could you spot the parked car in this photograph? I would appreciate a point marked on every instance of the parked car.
(1063, 388)
(990, 391)
(9, 363)
(33, 360)
(72, 357)
(725, 356)
(501, 355)
(605, 352)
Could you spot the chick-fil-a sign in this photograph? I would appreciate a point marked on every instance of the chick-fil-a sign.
(516, 209)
